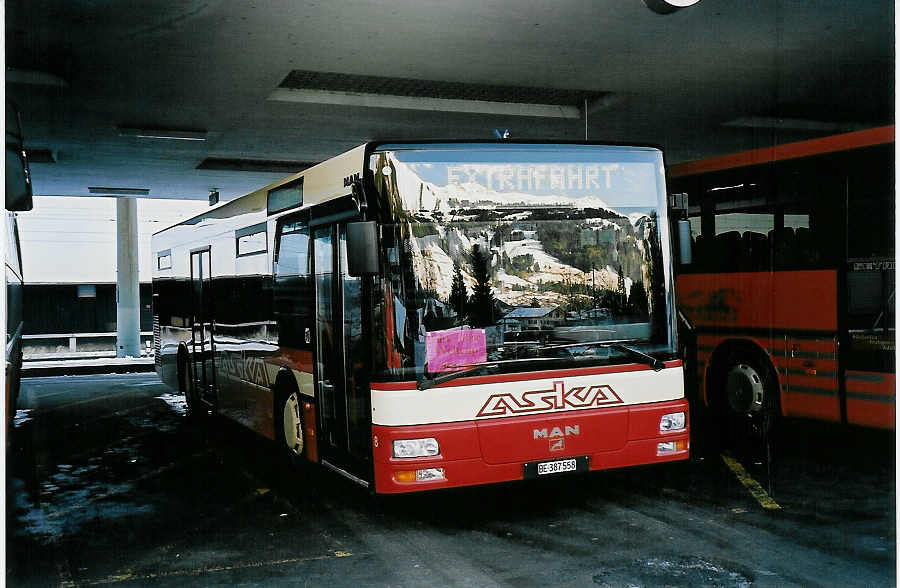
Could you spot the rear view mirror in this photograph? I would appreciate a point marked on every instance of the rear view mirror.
(18, 177)
(362, 248)
(684, 242)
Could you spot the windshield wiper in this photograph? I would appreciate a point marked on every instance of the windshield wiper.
(467, 370)
(471, 368)
(653, 362)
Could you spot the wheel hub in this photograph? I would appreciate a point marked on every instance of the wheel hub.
(744, 389)
(292, 425)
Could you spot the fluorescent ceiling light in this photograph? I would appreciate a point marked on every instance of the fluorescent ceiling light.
(341, 98)
(174, 135)
(796, 124)
(119, 191)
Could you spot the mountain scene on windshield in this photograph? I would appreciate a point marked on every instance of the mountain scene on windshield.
(523, 260)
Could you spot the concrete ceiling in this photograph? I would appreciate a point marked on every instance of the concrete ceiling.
(721, 76)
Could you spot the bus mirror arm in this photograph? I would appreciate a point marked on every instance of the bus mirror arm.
(359, 196)
(362, 248)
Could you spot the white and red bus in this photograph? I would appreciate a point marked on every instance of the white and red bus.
(791, 285)
(418, 316)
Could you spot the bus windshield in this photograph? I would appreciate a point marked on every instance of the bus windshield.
(523, 255)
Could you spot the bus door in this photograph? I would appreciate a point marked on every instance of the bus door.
(201, 325)
(343, 405)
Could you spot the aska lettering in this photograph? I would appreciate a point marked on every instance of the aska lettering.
(249, 369)
(553, 399)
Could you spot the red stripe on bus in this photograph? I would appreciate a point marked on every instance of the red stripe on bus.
(825, 346)
(825, 405)
(871, 399)
(825, 385)
(886, 386)
(871, 413)
(525, 376)
(799, 367)
(854, 140)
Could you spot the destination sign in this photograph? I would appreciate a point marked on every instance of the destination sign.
(536, 177)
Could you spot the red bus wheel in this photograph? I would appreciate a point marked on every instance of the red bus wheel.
(748, 398)
(744, 389)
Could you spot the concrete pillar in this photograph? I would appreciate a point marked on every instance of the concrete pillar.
(128, 293)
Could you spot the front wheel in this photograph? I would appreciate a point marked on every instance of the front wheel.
(289, 426)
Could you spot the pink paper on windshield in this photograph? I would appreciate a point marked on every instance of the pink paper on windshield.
(449, 350)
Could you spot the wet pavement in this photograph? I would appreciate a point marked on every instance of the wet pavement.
(108, 482)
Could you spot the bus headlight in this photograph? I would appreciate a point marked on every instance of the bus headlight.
(403, 448)
(671, 422)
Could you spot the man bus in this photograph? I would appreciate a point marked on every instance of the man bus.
(418, 316)
(791, 285)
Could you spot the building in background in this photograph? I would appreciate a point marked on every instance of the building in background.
(69, 260)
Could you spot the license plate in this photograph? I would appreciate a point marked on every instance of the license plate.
(557, 467)
(533, 470)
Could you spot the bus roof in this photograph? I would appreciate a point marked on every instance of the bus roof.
(319, 186)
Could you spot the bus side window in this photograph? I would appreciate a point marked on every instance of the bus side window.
(293, 299)
(293, 249)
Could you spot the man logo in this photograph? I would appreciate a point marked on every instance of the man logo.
(556, 432)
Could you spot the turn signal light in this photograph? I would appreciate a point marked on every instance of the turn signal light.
(423, 475)
(669, 447)
(405, 477)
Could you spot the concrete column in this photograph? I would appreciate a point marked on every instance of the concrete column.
(128, 293)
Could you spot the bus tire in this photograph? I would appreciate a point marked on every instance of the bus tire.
(289, 424)
(748, 400)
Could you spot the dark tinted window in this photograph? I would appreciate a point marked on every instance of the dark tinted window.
(293, 285)
(785, 216)
(285, 197)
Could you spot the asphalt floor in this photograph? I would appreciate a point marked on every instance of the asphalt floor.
(109, 483)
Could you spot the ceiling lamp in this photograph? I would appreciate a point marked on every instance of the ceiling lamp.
(119, 191)
(368, 91)
(668, 6)
(171, 134)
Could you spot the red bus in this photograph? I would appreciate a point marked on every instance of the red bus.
(418, 316)
(791, 283)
